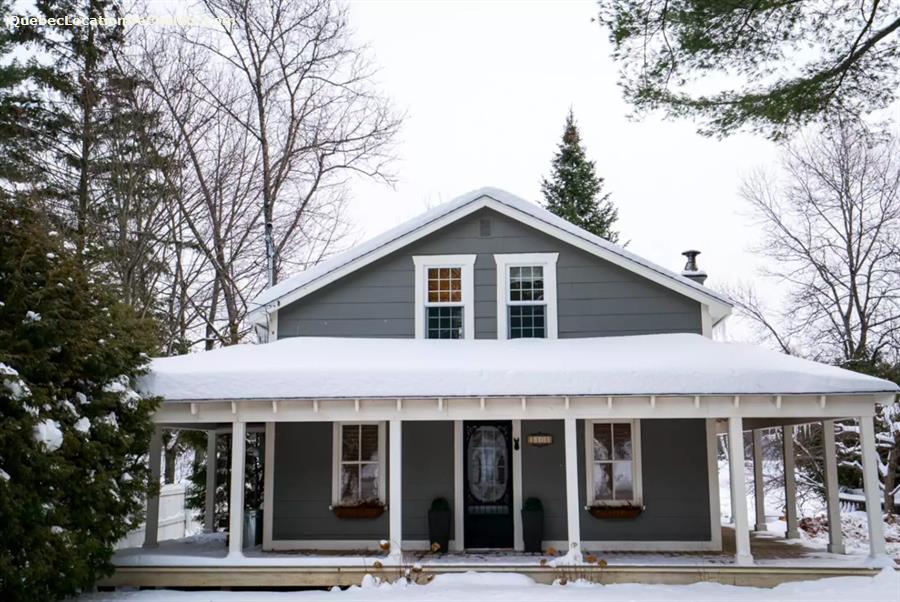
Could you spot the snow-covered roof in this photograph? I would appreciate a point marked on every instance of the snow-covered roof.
(293, 288)
(666, 364)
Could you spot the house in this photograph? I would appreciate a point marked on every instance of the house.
(488, 352)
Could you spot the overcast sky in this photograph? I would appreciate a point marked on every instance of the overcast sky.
(486, 87)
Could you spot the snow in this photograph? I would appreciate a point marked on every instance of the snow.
(665, 364)
(512, 587)
(503, 197)
(81, 397)
(48, 433)
(83, 425)
(9, 376)
(4, 476)
(31, 316)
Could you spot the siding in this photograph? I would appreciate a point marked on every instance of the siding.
(595, 297)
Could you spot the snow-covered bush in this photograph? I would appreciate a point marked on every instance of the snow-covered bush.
(70, 426)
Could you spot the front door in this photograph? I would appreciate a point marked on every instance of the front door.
(487, 481)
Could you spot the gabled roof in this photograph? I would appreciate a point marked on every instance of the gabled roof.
(295, 287)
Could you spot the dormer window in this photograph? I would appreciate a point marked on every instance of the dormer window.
(445, 296)
(526, 296)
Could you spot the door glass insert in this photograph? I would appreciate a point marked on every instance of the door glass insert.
(488, 464)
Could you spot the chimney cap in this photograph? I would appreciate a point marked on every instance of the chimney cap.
(690, 268)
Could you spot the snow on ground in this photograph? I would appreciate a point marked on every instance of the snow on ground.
(502, 587)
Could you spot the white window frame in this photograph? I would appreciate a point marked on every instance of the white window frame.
(336, 460)
(467, 264)
(636, 470)
(545, 260)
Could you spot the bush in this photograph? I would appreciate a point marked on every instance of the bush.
(532, 504)
(73, 435)
(440, 503)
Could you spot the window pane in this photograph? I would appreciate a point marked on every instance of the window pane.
(602, 481)
(369, 443)
(623, 481)
(445, 285)
(445, 322)
(602, 442)
(349, 483)
(526, 321)
(368, 482)
(526, 283)
(350, 442)
(622, 440)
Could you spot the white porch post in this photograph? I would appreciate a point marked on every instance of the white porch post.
(395, 497)
(458, 515)
(572, 510)
(790, 482)
(236, 505)
(835, 537)
(209, 522)
(742, 553)
(151, 524)
(872, 490)
(759, 486)
(268, 485)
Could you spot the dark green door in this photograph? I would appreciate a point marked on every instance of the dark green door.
(487, 478)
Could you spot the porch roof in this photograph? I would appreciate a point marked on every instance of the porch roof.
(666, 364)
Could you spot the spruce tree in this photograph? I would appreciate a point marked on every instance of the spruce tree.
(74, 434)
(574, 191)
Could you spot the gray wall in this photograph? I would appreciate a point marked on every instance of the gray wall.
(595, 297)
(303, 471)
(544, 475)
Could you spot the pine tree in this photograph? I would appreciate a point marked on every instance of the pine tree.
(574, 191)
(73, 434)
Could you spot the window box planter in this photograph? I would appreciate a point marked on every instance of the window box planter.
(629, 511)
(532, 525)
(439, 526)
(365, 510)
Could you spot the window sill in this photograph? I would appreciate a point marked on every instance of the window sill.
(615, 510)
(365, 510)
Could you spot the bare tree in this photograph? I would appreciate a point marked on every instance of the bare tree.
(831, 227)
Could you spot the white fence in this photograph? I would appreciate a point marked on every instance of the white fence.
(174, 519)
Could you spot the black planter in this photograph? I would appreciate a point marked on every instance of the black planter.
(439, 529)
(533, 529)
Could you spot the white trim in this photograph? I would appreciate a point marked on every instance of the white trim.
(467, 265)
(712, 467)
(799, 407)
(871, 488)
(472, 202)
(336, 458)
(272, 326)
(736, 466)
(268, 485)
(547, 261)
(636, 467)
(790, 482)
(759, 485)
(395, 508)
(599, 545)
(209, 522)
(518, 541)
(833, 503)
(151, 520)
(706, 324)
(458, 502)
(236, 500)
(573, 512)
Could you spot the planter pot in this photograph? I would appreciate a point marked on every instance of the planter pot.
(361, 511)
(615, 511)
(439, 529)
(533, 529)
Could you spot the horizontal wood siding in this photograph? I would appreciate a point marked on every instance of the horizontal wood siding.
(595, 297)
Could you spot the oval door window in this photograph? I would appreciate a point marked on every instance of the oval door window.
(488, 464)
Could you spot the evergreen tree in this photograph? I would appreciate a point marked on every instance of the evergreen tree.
(574, 191)
(73, 434)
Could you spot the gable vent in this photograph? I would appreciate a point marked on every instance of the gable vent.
(484, 226)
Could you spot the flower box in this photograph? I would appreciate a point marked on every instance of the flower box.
(366, 510)
(615, 511)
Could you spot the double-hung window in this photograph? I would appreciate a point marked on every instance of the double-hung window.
(526, 296)
(358, 463)
(613, 461)
(444, 296)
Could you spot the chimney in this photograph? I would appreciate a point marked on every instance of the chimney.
(690, 268)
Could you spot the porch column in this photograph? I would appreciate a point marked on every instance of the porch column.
(835, 537)
(572, 509)
(872, 490)
(742, 555)
(790, 482)
(236, 505)
(759, 486)
(151, 524)
(209, 511)
(395, 497)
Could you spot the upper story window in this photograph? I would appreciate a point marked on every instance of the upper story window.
(613, 462)
(526, 295)
(445, 296)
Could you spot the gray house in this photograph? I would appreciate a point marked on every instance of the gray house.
(489, 352)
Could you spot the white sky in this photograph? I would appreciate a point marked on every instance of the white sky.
(486, 87)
